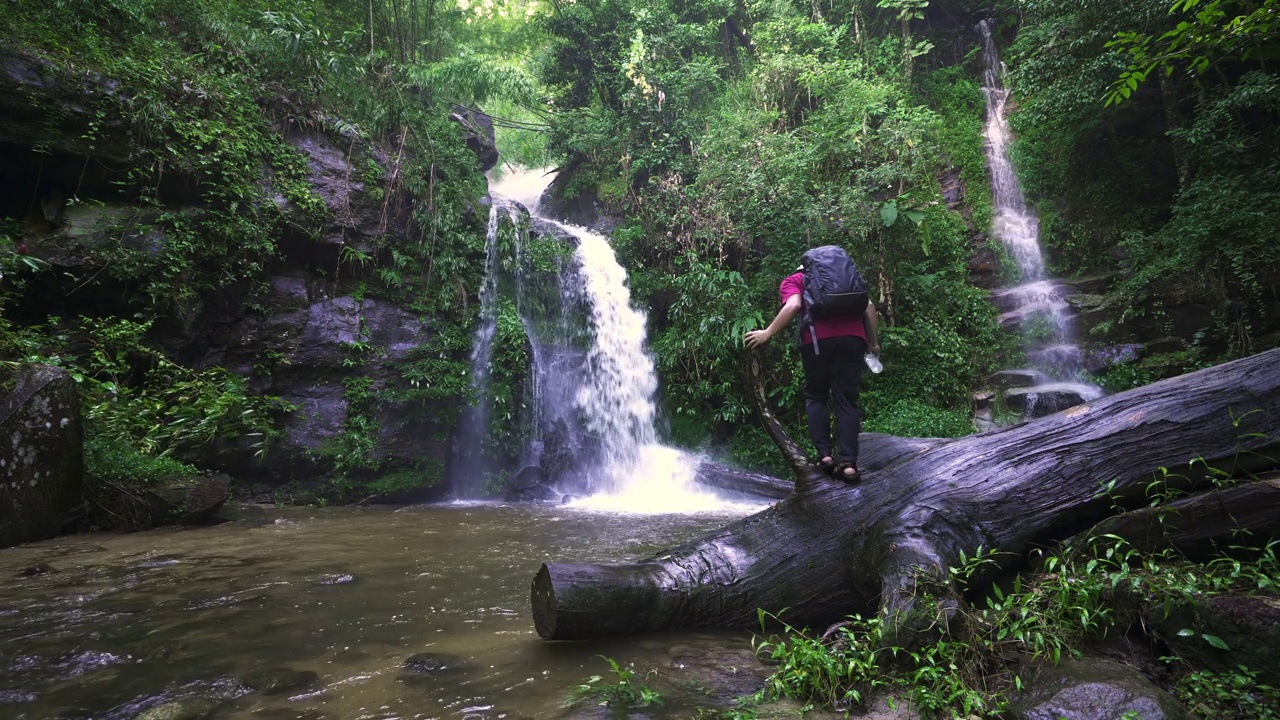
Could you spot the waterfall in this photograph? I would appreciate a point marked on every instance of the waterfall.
(471, 466)
(1037, 304)
(590, 396)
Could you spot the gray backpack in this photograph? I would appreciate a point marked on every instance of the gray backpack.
(833, 287)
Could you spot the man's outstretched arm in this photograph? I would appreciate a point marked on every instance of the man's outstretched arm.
(789, 310)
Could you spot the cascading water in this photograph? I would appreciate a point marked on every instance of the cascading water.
(1037, 305)
(590, 395)
(471, 465)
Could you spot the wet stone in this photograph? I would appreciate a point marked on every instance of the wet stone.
(15, 697)
(196, 708)
(722, 675)
(1086, 690)
(1016, 378)
(429, 664)
(336, 579)
(280, 680)
(37, 569)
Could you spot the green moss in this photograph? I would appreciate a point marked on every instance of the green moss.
(116, 461)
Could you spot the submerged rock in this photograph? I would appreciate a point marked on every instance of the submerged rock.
(336, 579)
(195, 708)
(279, 680)
(429, 664)
(41, 454)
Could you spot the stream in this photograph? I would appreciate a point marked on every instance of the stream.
(312, 613)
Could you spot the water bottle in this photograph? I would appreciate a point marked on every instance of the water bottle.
(873, 363)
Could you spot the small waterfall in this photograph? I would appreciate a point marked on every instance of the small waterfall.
(590, 396)
(1037, 305)
(616, 395)
(471, 466)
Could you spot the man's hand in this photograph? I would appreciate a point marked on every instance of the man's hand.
(756, 338)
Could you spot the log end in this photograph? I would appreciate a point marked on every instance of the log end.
(542, 598)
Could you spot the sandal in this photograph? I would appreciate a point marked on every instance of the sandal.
(842, 472)
(826, 464)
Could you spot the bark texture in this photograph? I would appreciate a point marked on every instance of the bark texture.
(830, 549)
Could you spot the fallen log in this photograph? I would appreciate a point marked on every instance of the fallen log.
(1203, 525)
(831, 549)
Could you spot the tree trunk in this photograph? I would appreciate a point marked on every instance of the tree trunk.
(831, 549)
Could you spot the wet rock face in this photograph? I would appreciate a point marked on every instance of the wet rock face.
(41, 454)
(306, 356)
(30, 84)
(348, 176)
(287, 330)
(477, 133)
(1091, 690)
(577, 207)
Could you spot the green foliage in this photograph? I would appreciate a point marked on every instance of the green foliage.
(857, 659)
(428, 473)
(1207, 33)
(729, 165)
(913, 418)
(113, 460)
(623, 691)
(509, 417)
(135, 396)
(957, 668)
(141, 409)
(1235, 695)
(1181, 174)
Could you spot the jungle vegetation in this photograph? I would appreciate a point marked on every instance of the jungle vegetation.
(728, 136)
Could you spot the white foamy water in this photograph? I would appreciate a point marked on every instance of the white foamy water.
(524, 186)
(615, 395)
(1038, 306)
(666, 487)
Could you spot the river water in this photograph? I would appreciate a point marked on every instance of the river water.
(184, 623)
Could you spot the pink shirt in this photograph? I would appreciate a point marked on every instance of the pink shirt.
(826, 327)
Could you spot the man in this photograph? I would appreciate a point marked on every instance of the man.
(832, 370)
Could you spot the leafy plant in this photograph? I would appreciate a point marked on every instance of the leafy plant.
(1234, 695)
(623, 690)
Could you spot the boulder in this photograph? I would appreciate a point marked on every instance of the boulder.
(984, 268)
(1093, 690)
(41, 454)
(176, 501)
(1099, 359)
(477, 133)
(1042, 400)
(1019, 378)
(578, 206)
(529, 485)
(188, 502)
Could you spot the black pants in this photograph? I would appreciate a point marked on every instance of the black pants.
(834, 373)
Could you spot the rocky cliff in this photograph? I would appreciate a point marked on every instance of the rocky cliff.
(303, 284)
